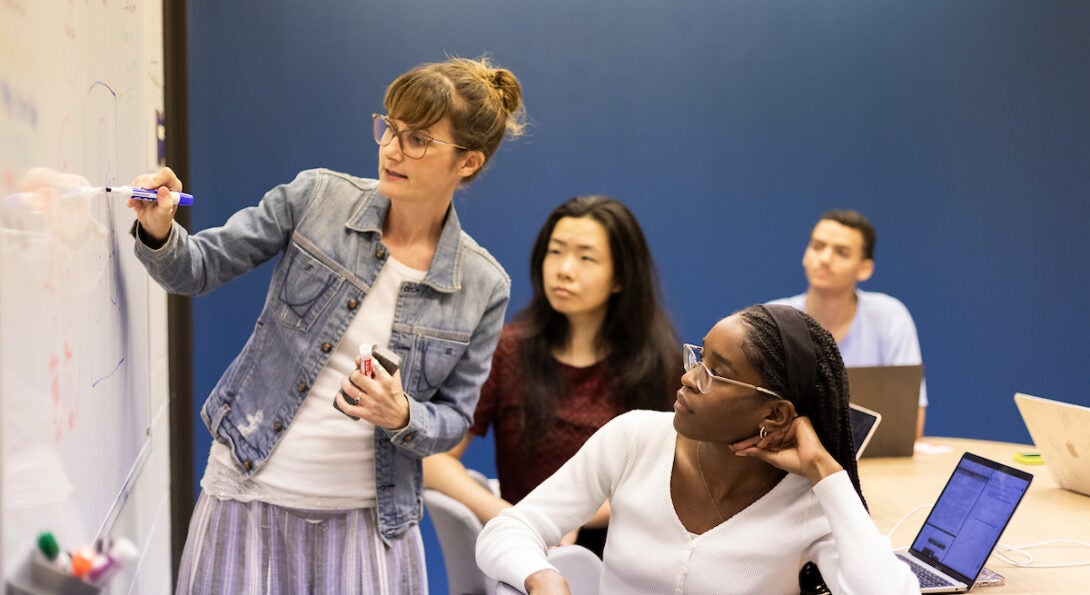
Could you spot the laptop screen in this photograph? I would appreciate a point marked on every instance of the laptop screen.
(970, 515)
(864, 424)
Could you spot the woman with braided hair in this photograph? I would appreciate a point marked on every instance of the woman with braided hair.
(747, 481)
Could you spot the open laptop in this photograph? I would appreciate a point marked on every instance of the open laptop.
(965, 524)
(1061, 431)
(894, 392)
(864, 425)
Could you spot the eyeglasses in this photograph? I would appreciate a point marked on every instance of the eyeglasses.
(694, 358)
(413, 143)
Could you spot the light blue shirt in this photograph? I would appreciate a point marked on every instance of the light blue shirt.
(881, 334)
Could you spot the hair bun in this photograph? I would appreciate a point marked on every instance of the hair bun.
(508, 89)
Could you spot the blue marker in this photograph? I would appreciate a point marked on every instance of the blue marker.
(180, 198)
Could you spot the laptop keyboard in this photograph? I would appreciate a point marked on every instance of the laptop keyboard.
(926, 577)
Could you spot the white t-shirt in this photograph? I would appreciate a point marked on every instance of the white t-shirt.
(325, 460)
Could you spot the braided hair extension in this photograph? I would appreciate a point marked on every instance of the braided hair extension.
(832, 417)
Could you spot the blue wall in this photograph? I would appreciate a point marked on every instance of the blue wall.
(960, 128)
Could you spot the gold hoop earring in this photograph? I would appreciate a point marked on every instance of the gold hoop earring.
(763, 433)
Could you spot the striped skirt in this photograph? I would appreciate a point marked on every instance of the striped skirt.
(258, 548)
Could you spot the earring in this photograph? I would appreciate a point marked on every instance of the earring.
(763, 433)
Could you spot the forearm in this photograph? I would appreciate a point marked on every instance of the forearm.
(600, 518)
(511, 548)
(857, 557)
(446, 473)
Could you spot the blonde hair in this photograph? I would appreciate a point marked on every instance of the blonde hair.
(483, 102)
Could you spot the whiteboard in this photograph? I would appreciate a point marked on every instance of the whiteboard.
(82, 365)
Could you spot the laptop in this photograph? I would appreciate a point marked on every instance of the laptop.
(894, 392)
(1061, 431)
(965, 524)
(864, 425)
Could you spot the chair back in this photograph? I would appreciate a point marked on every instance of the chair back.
(580, 567)
(457, 529)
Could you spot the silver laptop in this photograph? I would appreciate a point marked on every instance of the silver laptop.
(864, 425)
(1061, 431)
(894, 392)
(965, 524)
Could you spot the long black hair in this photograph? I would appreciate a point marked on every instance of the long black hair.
(643, 359)
(829, 412)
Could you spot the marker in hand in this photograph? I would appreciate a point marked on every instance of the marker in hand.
(368, 369)
(180, 198)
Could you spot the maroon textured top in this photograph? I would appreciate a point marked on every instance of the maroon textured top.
(587, 406)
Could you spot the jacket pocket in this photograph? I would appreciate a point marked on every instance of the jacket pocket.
(434, 358)
(308, 288)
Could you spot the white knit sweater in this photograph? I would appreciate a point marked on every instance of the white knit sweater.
(759, 550)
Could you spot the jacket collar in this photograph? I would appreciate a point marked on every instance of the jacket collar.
(445, 272)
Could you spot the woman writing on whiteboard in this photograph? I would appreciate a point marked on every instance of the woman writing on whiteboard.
(592, 343)
(296, 495)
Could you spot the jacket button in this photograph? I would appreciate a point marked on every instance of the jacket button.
(352, 304)
(380, 252)
(301, 387)
(327, 347)
(248, 465)
(278, 427)
(409, 438)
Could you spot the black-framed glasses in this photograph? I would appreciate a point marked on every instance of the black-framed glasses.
(694, 358)
(413, 143)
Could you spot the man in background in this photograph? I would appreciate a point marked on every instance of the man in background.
(871, 328)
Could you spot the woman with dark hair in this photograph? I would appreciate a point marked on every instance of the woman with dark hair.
(593, 343)
(751, 478)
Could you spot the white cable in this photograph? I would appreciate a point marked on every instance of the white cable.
(905, 518)
(1004, 553)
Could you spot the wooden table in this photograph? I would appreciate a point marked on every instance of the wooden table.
(895, 486)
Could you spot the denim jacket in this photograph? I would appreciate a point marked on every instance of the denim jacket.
(328, 228)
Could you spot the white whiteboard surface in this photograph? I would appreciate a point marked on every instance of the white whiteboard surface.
(83, 383)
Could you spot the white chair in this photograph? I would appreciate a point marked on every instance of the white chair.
(457, 529)
(580, 567)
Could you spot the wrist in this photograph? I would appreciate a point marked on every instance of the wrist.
(821, 468)
(149, 239)
(406, 417)
(543, 579)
